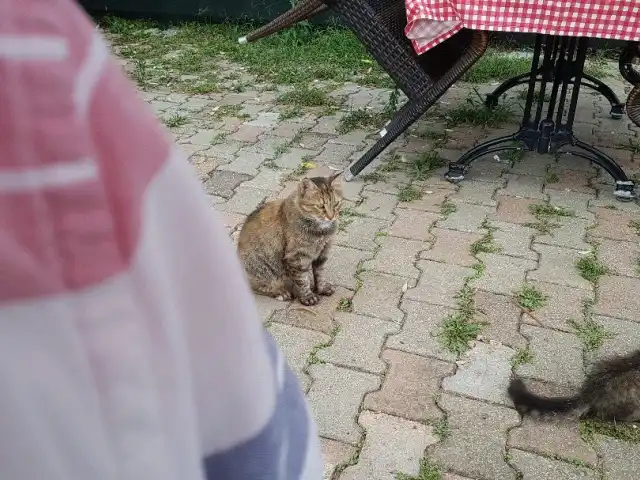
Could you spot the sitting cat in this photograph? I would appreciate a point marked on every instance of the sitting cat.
(611, 391)
(284, 244)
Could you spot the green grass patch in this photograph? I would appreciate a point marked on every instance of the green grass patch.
(425, 163)
(175, 120)
(373, 177)
(487, 243)
(447, 208)
(347, 214)
(459, 329)
(591, 268)
(591, 333)
(546, 215)
(218, 138)
(428, 471)
(551, 177)
(442, 428)
(627, 432)
(521, 357)
(344, 305)
(530, 298)
(474, 112)
(409, 193)
(304, 96)
(497, 65)
(361, 119)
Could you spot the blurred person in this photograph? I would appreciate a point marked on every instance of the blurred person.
(130, 345)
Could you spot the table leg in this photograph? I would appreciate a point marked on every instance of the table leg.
(560, 65)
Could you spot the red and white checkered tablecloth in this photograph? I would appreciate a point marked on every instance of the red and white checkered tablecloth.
(430, 22)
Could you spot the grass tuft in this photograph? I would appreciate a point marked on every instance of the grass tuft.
(635, 224)
(428, 471)
(521, 357)
(627, 432)
(175, 120)
(497, 65)
(409, 193)
(486, 243)
(530, 298)
(361, 118)
(590, 268)
(344, 305)
(447, 208)
(474, 112)
(442, 429)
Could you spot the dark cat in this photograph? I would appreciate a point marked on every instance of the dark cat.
(284, 244)
(611, 391)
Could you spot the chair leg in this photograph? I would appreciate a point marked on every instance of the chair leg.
(404, 118)
(304, 10)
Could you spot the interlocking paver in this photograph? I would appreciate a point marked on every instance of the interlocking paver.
(621, 460)
(393, 445)
(431, 200)
(361, 233)
(334, 453)
(558, 265)
(481, 193)
(622, 258)
(483, 374)
(358, 342)
(503, 274)
(245, 200)
(502, 316)
(293, 157)
(561, 305)
(223, 183)
(410, 386)
(268, 179)
(514, 210)
(378, 205)
(475, 446)
(335, 403)
(420, 330)
(379, 296)
(576, 202)
(413, 224)
(296, 344)
(245, 162)
(247, 134)
(618, 297)
(536, 467)
(622, 338)
(267, 306)
(524, 186)
(343, 264)
(335, 155)
(571, 233)
(571, 180)
(513, 239)
(553, 437)
(615, 224)
(557, 356)
(467, 217)
(452, 246)
(396, 256)
(439, 283)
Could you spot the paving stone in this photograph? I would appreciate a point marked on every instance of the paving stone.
(420, 330)
(318, 317)
(558, 265)
(557, 356)
(246, 133)
(487, 170)
(393, 445)
(563, 303)
(314, 140)
(484, 374)
(296, 344)
(379, 296)
(288, 130)
(354, 137)
(232, 220)
(265, 120)
(453, 476)
(334, 454)
(503, 274)
(475, 446)
(245, 162)
(531, 164)
(228, 147)
(223, 183)
(614, 224)
(269, 145)
(204, 165)
(552, 437)
(439, 283)
(328, 124)
(267, 306)
(622, 341)
(621, 460)
(514, 239)
(467, 218)
(352, 190)
(618, 297)
(480, 193)
(358, 342)
(378, 205)
(535, 467)
(452, 246)
(413, 224)
(361, 233)
(464, 137)
(396, 256)
(430, 202)
(246, 200)
(410, 386)
(502, 316)
(570, 234)
(571, 180)
(268, 179)
(343, 264)
(524, 186)
(204, 137)
(335, 155)
(622, 258)
(188, 149)
(335, 396)
(514, 210)
(574, 201)
(293, 157)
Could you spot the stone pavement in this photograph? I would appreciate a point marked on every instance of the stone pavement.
(386, 390)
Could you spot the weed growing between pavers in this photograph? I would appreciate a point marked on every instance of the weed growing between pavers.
(373, 177)
(361, 119)
(313, 359)
(218, 138)
(474, 112)
(344, 305)
(459, 329)
(551, 177)
(347, 214)
(591, 268)
(591, 333)
(439, 139)
(425, 163)
(218, 113)
(635, 224)
(409, 193)
(486, 243)
(300, 170)
(545, 215)
(521, 357)
(530, 298)
(627, 432)
(428, 471)
(442, 428)
(175, 120)
(304, 96)
(447, 208)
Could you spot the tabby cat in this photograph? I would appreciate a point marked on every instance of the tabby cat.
(284, 244)
(611, 391)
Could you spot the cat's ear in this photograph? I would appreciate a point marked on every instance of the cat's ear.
(334, 176)
(305, 185)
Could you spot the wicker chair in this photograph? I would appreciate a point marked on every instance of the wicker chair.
(630, 70)
(303, 10)
(379, 25)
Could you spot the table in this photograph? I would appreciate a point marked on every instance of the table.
(562, 29)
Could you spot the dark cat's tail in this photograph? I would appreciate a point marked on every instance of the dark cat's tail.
(526, 402)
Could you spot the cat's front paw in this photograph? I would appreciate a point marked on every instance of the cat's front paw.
(311, 299)
(326, 289)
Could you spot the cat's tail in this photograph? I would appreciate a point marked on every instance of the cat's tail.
(526, 402)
